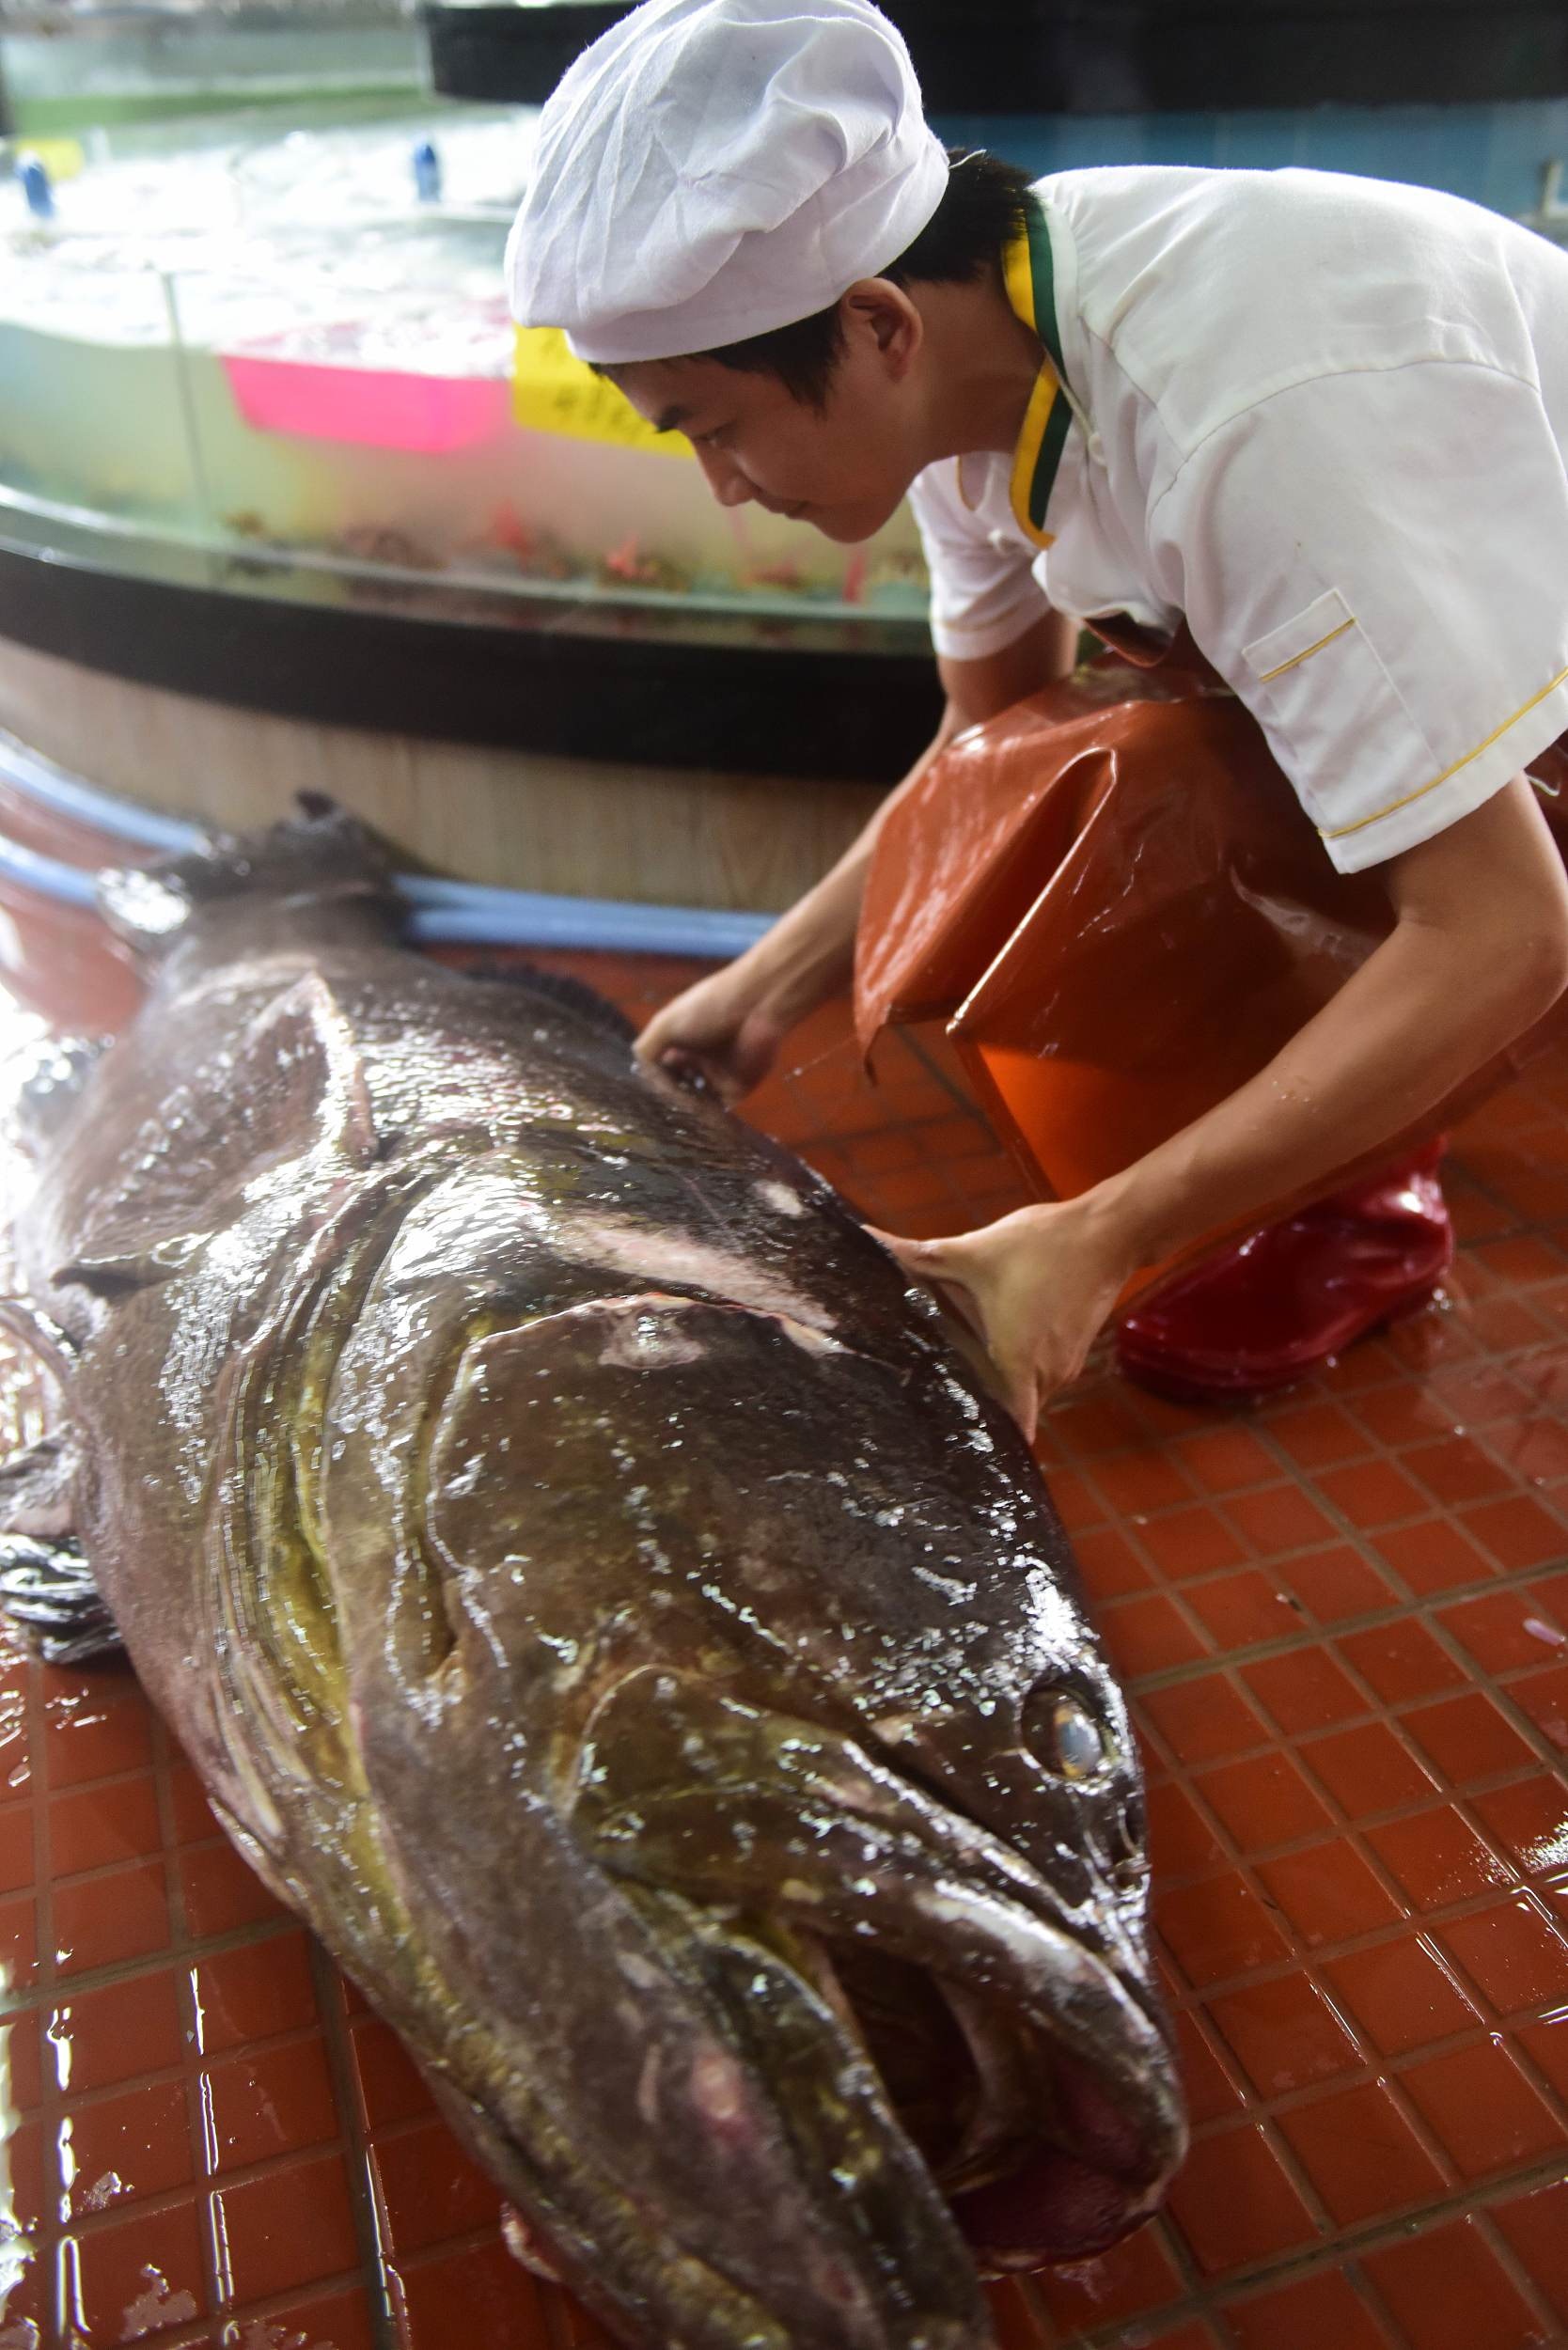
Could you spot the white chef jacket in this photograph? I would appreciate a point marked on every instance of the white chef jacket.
(1326, 419)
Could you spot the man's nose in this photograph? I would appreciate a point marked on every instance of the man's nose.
(726, 482)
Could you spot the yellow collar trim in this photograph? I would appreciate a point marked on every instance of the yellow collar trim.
(1018, 275)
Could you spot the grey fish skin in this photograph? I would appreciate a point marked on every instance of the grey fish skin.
(596, 1597)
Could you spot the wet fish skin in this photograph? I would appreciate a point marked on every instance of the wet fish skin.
(593, 1595)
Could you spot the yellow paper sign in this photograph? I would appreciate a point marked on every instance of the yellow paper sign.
(61, 158)
(552, 391)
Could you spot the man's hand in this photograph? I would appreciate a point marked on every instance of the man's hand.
(720, 1028)
(1037, 1287)
(1478, 951)
(731, 1024)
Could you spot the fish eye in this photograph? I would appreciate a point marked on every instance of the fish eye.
(1064, 1735)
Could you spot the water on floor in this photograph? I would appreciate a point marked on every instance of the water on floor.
(1343, 1620)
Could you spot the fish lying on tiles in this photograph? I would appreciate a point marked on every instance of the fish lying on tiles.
(598, 1599)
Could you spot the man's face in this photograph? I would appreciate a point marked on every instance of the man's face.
(842, 468)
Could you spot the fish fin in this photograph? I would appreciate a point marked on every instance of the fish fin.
(107, 1274)
(556, 987)
(49, 1597)
(323, 852)
(37, 1490)
(47, 1590)
(308, 1040)
(293, 1084)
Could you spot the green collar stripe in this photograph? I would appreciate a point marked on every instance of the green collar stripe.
(1054, 440)
(1058, 424)
(1042, 275)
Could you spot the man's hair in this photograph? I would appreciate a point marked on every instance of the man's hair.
(984, 206)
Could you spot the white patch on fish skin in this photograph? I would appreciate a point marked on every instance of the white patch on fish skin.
(560, 1646)
(810, 1340)
(780, 1196)
(718, 2089)
(895, 1728)
(977, 1439)
(648, 2085)
(644, 1340)
(729, 1280)
(1058, 1626)
(948, 1585)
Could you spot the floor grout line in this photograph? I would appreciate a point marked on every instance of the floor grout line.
(387, 2331)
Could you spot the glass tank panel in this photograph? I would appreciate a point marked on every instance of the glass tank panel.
(273, 344)
(277, 346)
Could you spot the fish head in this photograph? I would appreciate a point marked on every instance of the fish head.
(777, 1643)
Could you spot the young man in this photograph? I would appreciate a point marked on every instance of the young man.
(1323, 420)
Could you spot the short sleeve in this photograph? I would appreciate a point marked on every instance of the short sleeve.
(1377, 563)
(982, 595)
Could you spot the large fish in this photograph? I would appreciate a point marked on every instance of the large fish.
(597, 1598)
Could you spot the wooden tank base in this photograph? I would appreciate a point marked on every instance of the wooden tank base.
(508, 817)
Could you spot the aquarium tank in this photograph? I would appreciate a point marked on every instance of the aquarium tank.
(253, 329)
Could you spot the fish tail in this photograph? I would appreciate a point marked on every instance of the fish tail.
(321, 853)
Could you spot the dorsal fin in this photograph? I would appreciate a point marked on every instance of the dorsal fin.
(556, 987)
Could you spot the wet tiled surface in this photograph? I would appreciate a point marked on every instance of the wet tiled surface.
(1345, 1623)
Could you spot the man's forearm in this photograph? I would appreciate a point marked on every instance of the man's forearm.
(809, 951)
(1412, 1025)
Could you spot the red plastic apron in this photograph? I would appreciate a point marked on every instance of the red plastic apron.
(1115, 901)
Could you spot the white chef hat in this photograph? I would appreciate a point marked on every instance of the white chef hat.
(711, 169)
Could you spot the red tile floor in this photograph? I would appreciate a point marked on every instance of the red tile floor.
(1345, 1623)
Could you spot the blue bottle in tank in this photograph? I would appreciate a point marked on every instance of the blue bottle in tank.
(36, 186)
(427, 173)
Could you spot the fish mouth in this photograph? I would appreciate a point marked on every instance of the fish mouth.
(1017, 2041)
(1041, 2154)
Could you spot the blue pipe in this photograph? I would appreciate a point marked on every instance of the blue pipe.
(446, 913)
(606, 923)
(46, 875)
(65, 795)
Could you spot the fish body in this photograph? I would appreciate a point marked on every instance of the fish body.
(597, 1598)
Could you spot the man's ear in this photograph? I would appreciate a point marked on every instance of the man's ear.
(882, 312)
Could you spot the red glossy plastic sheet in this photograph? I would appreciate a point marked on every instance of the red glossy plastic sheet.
(1113, 897)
